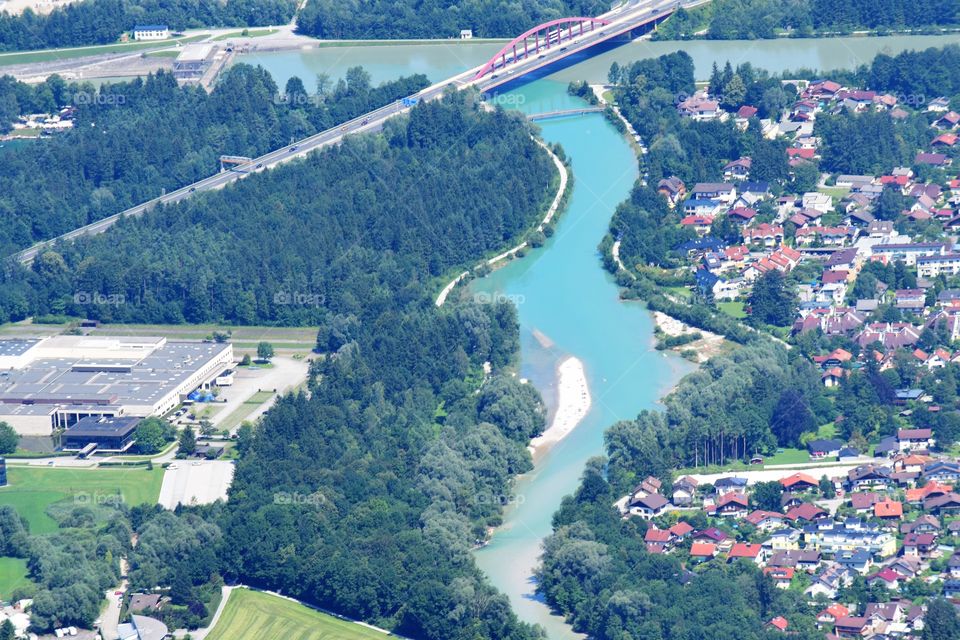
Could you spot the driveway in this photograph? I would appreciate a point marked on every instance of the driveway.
(285, 374)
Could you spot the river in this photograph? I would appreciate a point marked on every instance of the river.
(561, 290)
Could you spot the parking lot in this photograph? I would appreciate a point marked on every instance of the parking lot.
(195, 482)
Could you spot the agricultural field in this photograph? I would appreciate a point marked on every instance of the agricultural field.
(252, 615)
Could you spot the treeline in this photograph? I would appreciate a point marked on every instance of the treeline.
(359, 19)
(758, 19)
(348, 228)
(95, 22)
(132, 141)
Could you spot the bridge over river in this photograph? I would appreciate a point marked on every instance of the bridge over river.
(548, 45)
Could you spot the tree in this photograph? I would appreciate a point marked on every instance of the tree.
(9, 438)
(188, 442)
(771, 301)
(613, 76)
(264, 351)
(941, 622)
(791, 418)
(827, 488)
(7, 630)
(766, 495)
(152, 434)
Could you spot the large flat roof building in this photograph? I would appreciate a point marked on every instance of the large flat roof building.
(109, 434)
(56, 381)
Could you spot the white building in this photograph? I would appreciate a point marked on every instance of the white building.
(932, 266)
(151, 32)
(466, 34)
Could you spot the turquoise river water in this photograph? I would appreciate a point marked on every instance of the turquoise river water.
(561, 290)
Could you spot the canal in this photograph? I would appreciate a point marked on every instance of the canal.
(568, 306)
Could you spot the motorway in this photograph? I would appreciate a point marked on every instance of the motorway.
(623, 19)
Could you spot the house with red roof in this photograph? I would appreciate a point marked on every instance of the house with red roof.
(806, 511)
(799, 482)
(852, 627)
(733, 504)
(781, 576)
(887, 577)
(703, 551)
(888, 510)
(746, 551)
(680, 530)
(765, 520)
(919, 544)
(780, 623)
(832, 613)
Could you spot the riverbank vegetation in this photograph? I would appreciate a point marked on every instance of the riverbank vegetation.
(392, 19)
(756, 19)
(94, 22)
(106, 163)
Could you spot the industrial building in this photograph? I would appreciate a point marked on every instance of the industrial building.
(193, 61)
(102, 432)
(55, 382)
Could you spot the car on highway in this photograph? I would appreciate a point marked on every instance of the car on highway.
(259, 165)
(192, 189)
(366, 121)
(293, 148)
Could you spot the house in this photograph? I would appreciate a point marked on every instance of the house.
(728, 484)
(140, 602)
(953, 564)
(889, 510)
(863, 501)
(915, 439)
(933, 266)
(806, 511)
(722, 191)
(698, 107)
(746, 551)
(887, 577)
(947, 121)
(765, 520)
(934, 159)
(680, 530)
(829, 581)
(942, 471)
(859, 560)
(703, 551)
(819, 202)
(851, 535)
(804, 559)
(783, 540)
(684, 491)
(831, 614)
(732, 504)
(910, 299)
(737, 169)
(799, 482)
(824, 448)
(712, 535)
(649, 506)
(910, 251)
(868, 476)
(672, 189)
(951, 588)
(924, 524)
(919, 544)
(932, 489)
(949, 502)
(852, 627)
(779, 623)
(657, 540)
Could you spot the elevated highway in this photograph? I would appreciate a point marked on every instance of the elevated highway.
(630, 17)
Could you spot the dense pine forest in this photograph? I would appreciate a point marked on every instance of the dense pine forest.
(132, 141)
(94, 22)
(435, 18)
(345, 230)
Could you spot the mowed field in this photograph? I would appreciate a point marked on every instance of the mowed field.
(32, 489)
(253, 615)
(13, 575)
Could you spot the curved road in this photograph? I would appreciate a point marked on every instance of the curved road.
(623, 19)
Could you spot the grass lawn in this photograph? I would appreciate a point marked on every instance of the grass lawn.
(13, 575)
(680, 292)
(33, 489)
(789, 456)
(252, 615)
(249, 405)
(29, 57)
(251, 33)
(733, 309)
(837, 193)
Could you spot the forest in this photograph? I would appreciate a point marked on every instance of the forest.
(383, 19)
(394, 213)
(366, 495)
(95, 22)
(106, 163)
(759, 19)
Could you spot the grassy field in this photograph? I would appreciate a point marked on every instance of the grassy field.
(733, 309)
(13, 575)
(249, 405)
(252, 615)
(48, 55)
(32, 489)
(254, 33)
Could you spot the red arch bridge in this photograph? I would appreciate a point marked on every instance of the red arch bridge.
(540, 38)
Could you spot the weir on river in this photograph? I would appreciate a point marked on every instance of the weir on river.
(563, 293)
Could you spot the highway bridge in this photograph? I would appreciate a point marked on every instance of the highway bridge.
(543, 46)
